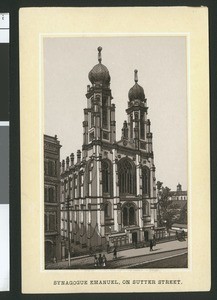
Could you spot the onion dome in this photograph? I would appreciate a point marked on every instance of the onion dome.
(99, 74)
(136, 92)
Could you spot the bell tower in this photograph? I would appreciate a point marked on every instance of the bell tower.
(99, 116)
(138, 125)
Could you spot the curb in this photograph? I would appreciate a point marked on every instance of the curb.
(150, 261)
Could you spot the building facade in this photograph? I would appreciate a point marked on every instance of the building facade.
(108, 193)
(52, 199)
(179, 194)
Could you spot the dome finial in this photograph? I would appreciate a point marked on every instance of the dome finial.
(136, 76)
(99, 54)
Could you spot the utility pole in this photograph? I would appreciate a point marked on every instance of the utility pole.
(68, 231)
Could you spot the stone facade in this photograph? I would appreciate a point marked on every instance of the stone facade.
(51, 198)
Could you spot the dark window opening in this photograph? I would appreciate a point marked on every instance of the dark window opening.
(104, 113)
(129, 215)
(145, 181)
(142, 126)
(106, 177)
(127, 177)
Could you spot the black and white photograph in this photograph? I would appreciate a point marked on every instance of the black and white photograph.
(115, 152)
(115, 157)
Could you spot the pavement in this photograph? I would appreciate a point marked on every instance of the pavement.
(127, 257)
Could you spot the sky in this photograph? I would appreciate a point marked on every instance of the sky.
(161, 62)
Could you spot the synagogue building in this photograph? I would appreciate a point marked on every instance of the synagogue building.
(108, 193)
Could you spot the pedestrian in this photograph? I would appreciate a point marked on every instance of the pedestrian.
(151, 245)
(183, 235)
(115, 253)
(95, 261)
(100, 260)
(104, 260)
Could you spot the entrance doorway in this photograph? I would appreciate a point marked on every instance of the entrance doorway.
(146, 235)
(134, 237)
(48, 251)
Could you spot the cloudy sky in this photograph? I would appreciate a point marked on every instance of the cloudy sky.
(162, 70)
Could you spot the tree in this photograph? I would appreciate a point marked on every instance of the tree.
(183, 215)
(167, 211)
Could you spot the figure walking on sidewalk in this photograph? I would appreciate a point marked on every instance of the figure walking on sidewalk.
(151, 245)
(115, 253)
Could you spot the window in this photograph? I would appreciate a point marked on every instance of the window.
(79, 183)
(92, 113)
(45, 195)
(129, 214)
(50, 169)
(46, 168)
(107, 210)
(51, 194)
(145, 181)
(131, 126)
(104, 113)
(126, 176)
(145, 208)
(142, 126)
(50, 221)
(106, 177)
(45, 222)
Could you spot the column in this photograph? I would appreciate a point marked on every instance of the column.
(115, 192)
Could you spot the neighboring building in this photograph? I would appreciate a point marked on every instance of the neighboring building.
(52, 198)
(179, 194)
(110, 188)
(179, 201)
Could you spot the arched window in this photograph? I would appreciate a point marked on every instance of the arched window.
(129, 215)
(79, 183)
(142, 124)
(131, 126)
(92, 113)
(145, 208)
(106, 177)
(51, 194)
(107, 210)
(104, 113)
(87, 179)
(126, 176)
(145, 181)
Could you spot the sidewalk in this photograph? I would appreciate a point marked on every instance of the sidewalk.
(87, 260)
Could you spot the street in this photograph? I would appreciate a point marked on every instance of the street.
(128, 258)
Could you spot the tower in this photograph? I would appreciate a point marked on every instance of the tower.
(138, 124)
(99, 116)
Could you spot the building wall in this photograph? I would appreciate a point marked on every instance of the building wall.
(51, 198)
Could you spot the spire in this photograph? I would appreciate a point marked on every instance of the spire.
(136, 92)
(136, 76)
(99, 54)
